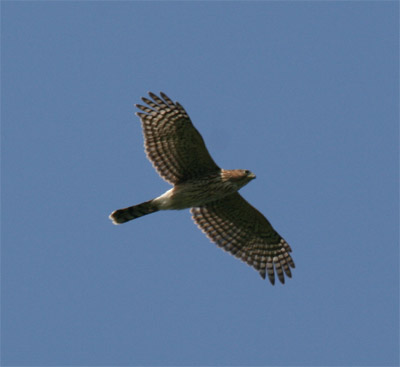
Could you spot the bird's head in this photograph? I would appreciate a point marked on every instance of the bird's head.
(238, 177)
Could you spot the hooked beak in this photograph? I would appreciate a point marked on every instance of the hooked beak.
(251, 175)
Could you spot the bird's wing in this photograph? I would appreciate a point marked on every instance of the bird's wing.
(239, 228)
(172, 143)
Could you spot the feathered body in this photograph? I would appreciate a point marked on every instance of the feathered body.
(189, 194)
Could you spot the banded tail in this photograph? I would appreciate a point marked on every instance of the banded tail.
(124, 215)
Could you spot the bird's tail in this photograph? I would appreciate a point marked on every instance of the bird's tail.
(124, 215)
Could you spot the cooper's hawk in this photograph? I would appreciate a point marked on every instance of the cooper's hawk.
(179, 155)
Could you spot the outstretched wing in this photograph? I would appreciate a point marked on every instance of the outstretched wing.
(239, 228)
(172, 143)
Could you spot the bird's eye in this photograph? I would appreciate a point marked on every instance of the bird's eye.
(246, 171)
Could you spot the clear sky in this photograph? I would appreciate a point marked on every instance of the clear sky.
(304, 94)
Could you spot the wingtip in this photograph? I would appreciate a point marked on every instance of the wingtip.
(272, 281)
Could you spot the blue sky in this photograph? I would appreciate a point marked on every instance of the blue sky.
(304, 94)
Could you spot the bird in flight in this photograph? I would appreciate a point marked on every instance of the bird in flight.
(179, 154)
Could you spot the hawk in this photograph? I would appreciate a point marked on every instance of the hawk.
(179, 154)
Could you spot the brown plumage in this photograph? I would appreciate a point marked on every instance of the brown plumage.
(179, 155)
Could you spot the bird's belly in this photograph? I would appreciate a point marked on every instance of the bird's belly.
(190, 195)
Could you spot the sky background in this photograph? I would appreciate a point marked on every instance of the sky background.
(304, 94)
